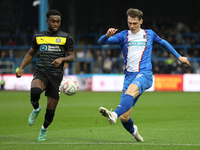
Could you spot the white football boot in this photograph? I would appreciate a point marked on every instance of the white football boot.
(137, 136)
(109, 114)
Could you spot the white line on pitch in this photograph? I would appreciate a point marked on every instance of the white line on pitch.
(82, 143)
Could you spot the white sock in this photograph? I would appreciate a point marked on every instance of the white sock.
(134, 133)
(115, 115)
(43, 128)
(35, 110)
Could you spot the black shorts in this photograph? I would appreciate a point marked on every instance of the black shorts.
(52, 83)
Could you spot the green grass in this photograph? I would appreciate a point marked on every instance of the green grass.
(166, 120)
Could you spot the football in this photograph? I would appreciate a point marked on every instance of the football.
(69, 86)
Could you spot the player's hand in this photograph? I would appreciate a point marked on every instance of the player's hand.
(184, 60)
(19, 73)
(57, 62)
(111, 32)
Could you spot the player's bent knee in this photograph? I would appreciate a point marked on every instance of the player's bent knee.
(124, 118)
(133, 90)
(35, 94)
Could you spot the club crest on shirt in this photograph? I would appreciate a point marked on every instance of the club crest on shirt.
(145, 36)
(58, 40)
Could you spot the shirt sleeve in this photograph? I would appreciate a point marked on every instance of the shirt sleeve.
(69, 44)
(34, 43)
(166, 45)
(111, 40)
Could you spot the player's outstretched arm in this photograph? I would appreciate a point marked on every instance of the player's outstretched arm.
(27, 59)
(170, 49)
(184, 60)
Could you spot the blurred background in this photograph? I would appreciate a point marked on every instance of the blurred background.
(175, 21)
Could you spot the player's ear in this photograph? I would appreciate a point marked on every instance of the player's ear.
(141, 21)
(47, 21)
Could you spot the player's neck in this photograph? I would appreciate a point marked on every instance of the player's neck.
(51, 32)
(136, 31)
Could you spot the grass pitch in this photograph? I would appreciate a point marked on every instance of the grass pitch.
(166, 120)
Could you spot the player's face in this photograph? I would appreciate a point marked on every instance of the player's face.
(54, 22)
(134, 24)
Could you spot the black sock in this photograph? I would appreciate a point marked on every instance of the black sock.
(48, 117)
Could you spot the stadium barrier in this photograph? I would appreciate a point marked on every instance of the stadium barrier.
(7, 67)
(113, 82)
(31, 68)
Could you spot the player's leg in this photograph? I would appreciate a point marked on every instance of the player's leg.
(126, 121)
(37, 87)
(127, 99)
(125, 104)
(49, 115)
(134, 85)
(128, 124)
(138, 85)
(50, 111)
(53, 95)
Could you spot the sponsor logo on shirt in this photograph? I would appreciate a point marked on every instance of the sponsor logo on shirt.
(43, 48)
(49, 48)
(53, 48)
(137, 43)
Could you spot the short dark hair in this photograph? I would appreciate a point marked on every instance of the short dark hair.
(53, 12)
(134, 13)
